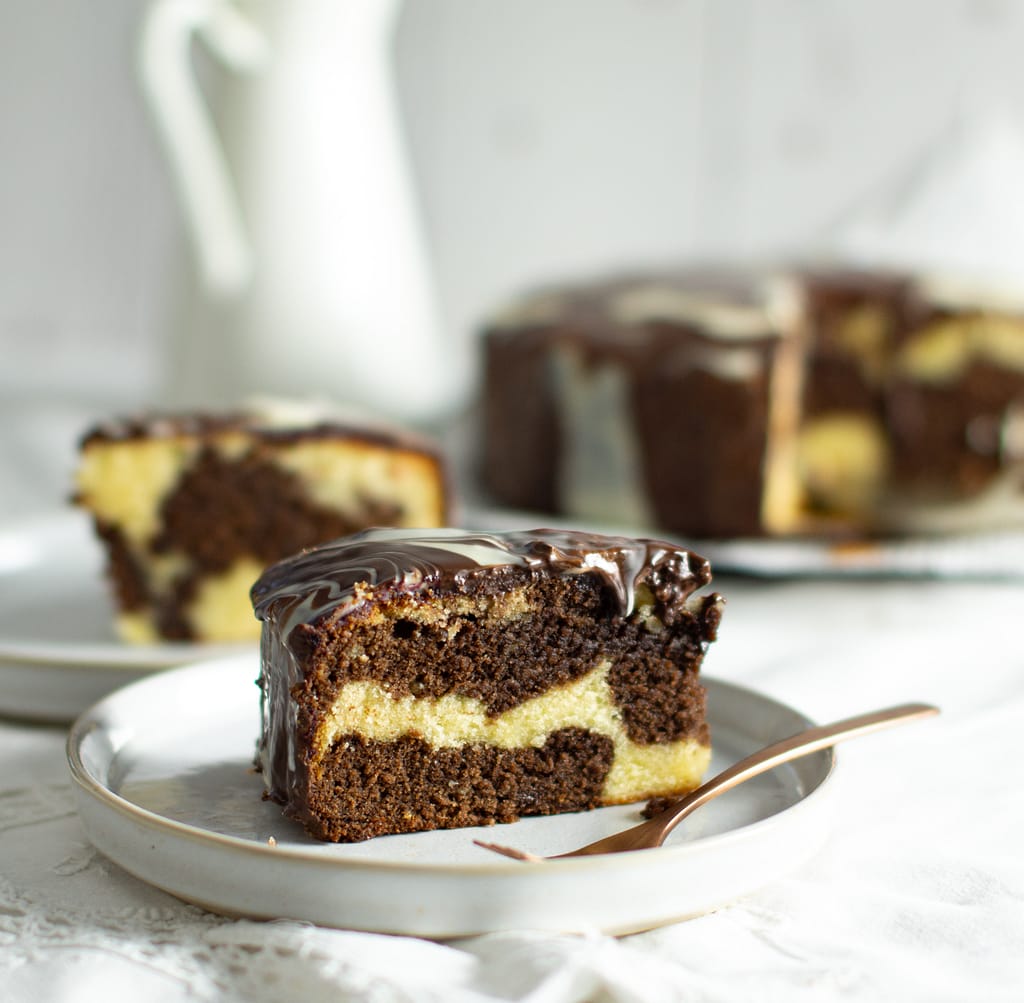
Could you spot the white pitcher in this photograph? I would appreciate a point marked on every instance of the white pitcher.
(312, 277)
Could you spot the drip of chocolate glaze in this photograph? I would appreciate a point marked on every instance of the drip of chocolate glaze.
(326, 580)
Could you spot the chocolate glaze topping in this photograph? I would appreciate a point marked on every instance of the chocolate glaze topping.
(323, 581)
(581, 588)
(170, 425)
(713, 302)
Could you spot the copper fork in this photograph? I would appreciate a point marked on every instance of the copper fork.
(650, 834)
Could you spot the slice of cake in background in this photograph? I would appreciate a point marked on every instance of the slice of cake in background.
(421, 680)
(666, 401)
(192, 507)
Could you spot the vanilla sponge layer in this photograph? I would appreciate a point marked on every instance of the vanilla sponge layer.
(367, 710)
(124, 484)
(220, 612)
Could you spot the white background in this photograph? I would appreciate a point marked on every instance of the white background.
(546, 139)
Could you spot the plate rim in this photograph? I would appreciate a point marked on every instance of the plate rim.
(92, 719)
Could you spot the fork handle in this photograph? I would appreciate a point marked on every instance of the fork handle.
(801, 744)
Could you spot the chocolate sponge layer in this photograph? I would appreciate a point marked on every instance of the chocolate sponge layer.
(422, 682)
(366, 788)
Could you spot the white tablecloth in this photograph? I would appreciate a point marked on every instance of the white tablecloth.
(917, 895)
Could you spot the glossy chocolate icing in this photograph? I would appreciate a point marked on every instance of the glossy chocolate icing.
(323, 581)
(262, 423)
(594, 595)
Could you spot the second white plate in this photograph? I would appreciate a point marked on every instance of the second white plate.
(165, 788)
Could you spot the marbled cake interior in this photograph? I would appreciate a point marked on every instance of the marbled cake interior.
(415, 680)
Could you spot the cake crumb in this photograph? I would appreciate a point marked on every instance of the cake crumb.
(655, 806)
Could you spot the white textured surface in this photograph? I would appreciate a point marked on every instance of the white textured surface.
(917, 895)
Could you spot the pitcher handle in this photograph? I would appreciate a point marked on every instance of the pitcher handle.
(197, 161)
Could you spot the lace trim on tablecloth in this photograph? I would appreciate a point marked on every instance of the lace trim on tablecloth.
(74, 927)
(82, 920)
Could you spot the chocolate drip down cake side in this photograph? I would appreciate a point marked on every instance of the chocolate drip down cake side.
(418, 679)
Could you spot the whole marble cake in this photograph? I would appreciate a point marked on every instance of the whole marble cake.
(192, 507)
(752, 402)
(416, 680)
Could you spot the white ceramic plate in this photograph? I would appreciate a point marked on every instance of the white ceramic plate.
(165, 788)
(58, 652)
(970, 555)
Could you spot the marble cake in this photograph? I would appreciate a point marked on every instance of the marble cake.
(416, 680)
(749, 403)
(191, 508)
